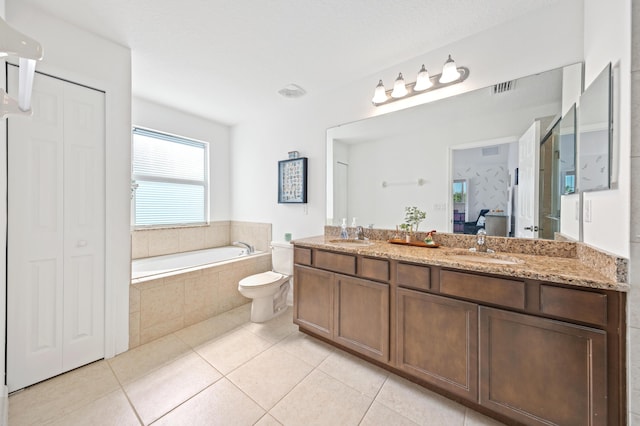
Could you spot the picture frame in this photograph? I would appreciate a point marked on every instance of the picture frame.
(292, 181)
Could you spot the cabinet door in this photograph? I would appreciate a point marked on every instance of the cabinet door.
(362, 316)
(313, 300)
(437, 341)
(542, 371)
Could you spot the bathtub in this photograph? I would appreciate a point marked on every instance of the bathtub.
(151, 268)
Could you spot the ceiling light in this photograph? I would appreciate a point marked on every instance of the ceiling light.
(399, 88)
(380, 95)
(14, 43)
(449, 71)
(424, 83)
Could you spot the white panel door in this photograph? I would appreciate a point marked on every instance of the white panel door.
(55, 268)
(528, 183)
(84, 226)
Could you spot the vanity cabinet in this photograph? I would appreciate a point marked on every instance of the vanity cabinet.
(542, 371)
(526, 351)
(437, 341)
(362, 316)
(313, 293)
(349, 310)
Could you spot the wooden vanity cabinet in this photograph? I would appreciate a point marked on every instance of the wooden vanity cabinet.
(542, 371)
(362, 316)
(530, 352)
(437, 341)
(313, 293)
(351, 311)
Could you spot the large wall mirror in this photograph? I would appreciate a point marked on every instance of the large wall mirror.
(595, 131)
(469, 160)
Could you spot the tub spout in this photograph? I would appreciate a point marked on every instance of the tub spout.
(250, 248)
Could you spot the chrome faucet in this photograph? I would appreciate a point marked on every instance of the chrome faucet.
(360, 233)
(250, 248)
(481, 243)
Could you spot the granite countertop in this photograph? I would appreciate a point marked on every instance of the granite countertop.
(562, 270)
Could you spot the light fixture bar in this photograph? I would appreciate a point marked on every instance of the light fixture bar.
(435, 80)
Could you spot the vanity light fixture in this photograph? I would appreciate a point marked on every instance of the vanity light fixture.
(28, 51)
(451, 74)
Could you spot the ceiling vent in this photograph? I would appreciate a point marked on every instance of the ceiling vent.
(490, 150)
(506, 86)
(292, 91)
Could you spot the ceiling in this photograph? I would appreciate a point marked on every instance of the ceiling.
(225, 60)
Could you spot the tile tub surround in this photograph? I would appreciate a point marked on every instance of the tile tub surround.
(160, 241)
(580, 260)
(162, 306)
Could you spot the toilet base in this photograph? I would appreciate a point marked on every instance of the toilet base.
(266, 308)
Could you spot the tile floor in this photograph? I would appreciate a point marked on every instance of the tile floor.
(229, 371)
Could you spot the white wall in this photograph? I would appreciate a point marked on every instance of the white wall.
(607, 38)
(81, 57)
(165, 119)
(516, 49)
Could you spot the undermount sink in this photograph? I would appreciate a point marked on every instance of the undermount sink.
(351, 242)
(495, 259)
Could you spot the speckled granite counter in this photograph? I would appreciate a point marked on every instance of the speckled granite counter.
(560, 262)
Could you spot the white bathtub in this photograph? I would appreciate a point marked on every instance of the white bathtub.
(151, 268)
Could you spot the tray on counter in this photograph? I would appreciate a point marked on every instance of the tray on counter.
(414, 243)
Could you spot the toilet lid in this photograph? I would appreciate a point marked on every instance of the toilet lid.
(263, 278)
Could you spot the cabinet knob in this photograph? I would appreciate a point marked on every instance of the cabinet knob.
(81, 243)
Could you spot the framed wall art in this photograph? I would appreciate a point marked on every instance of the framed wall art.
(292, 180)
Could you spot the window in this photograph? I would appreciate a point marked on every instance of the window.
(170, 178)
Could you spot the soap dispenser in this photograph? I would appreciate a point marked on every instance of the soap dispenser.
(343, 233)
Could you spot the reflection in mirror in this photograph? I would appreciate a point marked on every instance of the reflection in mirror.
(567, 156)
(594, 139)
(378, 166)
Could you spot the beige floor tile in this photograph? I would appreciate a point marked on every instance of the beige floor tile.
(220, 404)
(268, 420)
(269, 376)
(379, 415)
(61, 395)
(162, 390)
(276, 329)
(321, 400)
(474, 418)
(309, 349)
(233, 349)
(350, 370)
(112, 409)
(419, 404)
(140, 361)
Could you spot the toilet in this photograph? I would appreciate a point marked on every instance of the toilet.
(269, 289)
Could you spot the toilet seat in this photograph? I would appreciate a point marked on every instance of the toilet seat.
(262, 279)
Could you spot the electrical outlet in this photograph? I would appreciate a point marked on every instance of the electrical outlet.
(442, 206)
(587, 211)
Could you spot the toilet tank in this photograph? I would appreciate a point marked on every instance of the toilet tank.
(282, 257)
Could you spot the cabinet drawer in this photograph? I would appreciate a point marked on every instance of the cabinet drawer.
(577, 305)
(337, 262)
(302, 256)
(414, 276)
(376, 269)
(498, 291)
